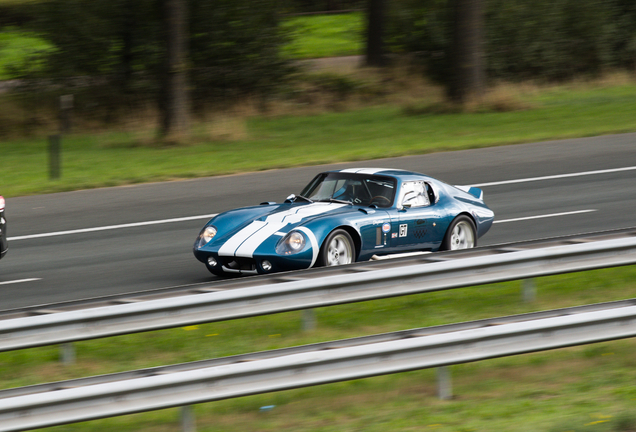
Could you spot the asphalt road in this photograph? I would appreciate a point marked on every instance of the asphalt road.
(92, 243)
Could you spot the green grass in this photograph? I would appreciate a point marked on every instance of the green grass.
(588, 388)
(115, 158)
(325, 35)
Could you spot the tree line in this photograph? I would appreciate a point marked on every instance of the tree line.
(524, 39)
(220, 50)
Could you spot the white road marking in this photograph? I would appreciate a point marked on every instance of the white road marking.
(545, 216)
(111, 227)
(558, 176)
(20, 281)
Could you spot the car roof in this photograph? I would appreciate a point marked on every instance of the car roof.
(393, 172)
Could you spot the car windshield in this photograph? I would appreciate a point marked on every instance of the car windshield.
(359, 189)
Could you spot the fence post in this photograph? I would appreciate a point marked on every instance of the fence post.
(54, 156)
(66, 106)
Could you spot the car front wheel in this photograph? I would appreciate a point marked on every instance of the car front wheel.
(461, 234)
(338, 249)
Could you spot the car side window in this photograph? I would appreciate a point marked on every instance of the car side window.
(432, 197)
(381, 191)
(414, 194)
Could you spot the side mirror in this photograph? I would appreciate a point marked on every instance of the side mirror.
(406, 197)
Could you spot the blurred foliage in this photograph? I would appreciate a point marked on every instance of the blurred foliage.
(310, 6)
(116, 48)
(318, 36)
(236, 48)
(21, 51)
(109, 54)
(89, 34)
(559, 39)
(551, 39)
(422, 28)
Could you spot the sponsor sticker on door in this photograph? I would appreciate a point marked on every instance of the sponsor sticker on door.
(403, 230)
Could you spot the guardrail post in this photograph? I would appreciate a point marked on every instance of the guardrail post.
(188, 422)
(444, 383)
(67, 353)
(309, 319)
(529, 290)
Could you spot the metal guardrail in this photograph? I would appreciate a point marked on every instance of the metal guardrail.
(297, 291)
(243, 282)
(179, 385)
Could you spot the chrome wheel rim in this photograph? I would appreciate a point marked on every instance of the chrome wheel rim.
(339, 251)
(462, 236)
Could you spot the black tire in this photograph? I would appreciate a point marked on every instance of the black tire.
(337, 249)
(461, 234)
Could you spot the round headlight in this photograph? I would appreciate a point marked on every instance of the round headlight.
(206, 235)
(292, 243)
(296, 240)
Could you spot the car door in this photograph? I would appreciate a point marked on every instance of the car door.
(415, 224)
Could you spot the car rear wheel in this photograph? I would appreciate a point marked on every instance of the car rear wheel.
(461, 234)
(338, 249)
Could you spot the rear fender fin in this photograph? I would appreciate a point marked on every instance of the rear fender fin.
(474, 191)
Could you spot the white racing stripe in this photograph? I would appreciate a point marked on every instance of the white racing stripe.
(245, 242)
(545, 216)
(314, 243)
(110, 227)
(19, 281)
(229, 247)
(369, 171)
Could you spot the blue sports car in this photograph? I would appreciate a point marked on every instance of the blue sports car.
(345, 216)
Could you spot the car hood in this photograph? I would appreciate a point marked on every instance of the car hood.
(241, 231)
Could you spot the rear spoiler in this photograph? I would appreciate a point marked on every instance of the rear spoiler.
(474, 191)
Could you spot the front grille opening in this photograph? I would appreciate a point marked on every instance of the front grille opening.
(238, 263)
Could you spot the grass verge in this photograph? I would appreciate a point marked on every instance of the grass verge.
(278, 141)
(586, 388)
